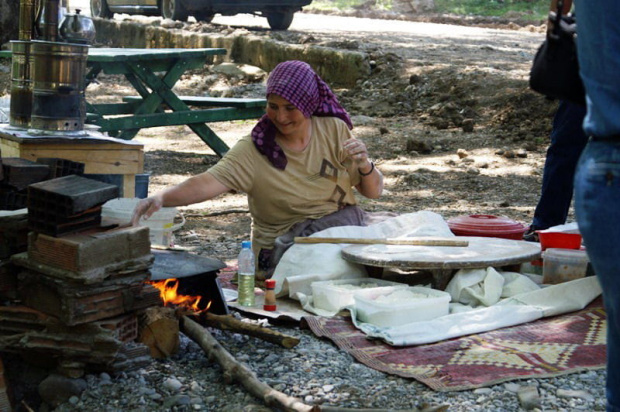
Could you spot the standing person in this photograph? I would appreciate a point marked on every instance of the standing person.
(597, 180)
(298, 167)
(567, 142)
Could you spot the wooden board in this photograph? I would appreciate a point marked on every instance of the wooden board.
(99, 154)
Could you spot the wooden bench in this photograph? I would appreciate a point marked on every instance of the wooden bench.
(204, 101)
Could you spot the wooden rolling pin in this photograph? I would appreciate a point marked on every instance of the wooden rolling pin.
(357, 240)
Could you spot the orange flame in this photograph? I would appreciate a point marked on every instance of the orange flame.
(168, 293)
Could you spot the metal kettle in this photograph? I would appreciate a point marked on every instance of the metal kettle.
(77, 28)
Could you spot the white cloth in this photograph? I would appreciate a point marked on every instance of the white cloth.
(525, 307)
(305, 263)
(484, 299)
(485, 287)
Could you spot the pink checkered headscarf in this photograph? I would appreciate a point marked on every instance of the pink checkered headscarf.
(296, 82)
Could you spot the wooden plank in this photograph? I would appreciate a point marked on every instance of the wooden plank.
(99, 156)
(376, 241)
(9, 148)
(129, 185)
(111, 161)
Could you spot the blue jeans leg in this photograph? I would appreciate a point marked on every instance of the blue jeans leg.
(567, 143)
(597, 200)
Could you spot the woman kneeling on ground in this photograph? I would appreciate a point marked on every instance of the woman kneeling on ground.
(298, 168)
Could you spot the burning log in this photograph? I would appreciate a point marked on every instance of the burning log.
(159, 330)
(227, 322)
(191, 305)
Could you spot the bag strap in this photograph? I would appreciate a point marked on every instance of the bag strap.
(558, 19)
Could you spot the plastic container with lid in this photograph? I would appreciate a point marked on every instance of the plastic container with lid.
(161, 223)
(562, 265)
(334, 295)
(386, 307)
(487, 226)
(559, 240)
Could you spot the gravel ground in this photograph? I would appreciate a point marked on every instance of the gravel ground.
(318, 373)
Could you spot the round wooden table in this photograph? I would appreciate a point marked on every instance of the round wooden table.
(441, 261)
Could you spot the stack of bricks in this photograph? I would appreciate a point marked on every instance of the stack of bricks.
(67, 204)
(78, 289)
(13, 239)
(16, 174)
(5, 401)
(81, 296)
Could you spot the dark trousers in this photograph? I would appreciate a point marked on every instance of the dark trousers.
(567, 142)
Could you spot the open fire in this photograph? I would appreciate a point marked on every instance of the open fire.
(168, 291)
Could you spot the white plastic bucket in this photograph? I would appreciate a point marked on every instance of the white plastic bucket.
(160, 224)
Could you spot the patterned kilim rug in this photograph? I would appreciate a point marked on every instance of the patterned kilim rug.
(226, 277)
(548, 347)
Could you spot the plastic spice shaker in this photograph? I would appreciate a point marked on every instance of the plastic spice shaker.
(270, 295)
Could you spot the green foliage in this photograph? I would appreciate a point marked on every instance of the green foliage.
(528, 9)
(525, 9)
(347, 4)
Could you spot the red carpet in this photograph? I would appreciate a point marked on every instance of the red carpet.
(226, 276)
(548, 347)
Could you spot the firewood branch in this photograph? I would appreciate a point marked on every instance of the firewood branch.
(227, 322)
(236, 371)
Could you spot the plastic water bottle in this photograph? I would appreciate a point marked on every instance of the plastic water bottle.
(246, 274)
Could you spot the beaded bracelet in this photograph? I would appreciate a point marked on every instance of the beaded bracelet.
(372, 168)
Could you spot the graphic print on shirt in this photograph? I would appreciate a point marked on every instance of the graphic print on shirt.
(328, 171)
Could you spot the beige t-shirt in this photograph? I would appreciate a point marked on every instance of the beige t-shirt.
(316, 181)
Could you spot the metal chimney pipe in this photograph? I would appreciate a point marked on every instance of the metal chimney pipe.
(50, 20)
(26, 19)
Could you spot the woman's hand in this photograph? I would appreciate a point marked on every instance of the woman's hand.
(356, 149)
(145, 209)
(371, 184)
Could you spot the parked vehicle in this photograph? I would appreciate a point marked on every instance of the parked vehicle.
(279, 13)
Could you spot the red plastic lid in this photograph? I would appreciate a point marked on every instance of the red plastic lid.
(270, 283)
(486, 226)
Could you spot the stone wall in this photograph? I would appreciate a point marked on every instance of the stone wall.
(338, 67)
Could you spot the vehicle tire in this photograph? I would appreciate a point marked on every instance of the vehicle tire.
(174, 10)
(280, 20)
(99, 8)
(204, 16)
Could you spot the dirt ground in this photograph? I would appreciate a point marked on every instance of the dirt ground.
(452, 126)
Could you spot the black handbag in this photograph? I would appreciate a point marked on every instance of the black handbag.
(555, 71)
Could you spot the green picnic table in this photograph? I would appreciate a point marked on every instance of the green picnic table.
(153, 73)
